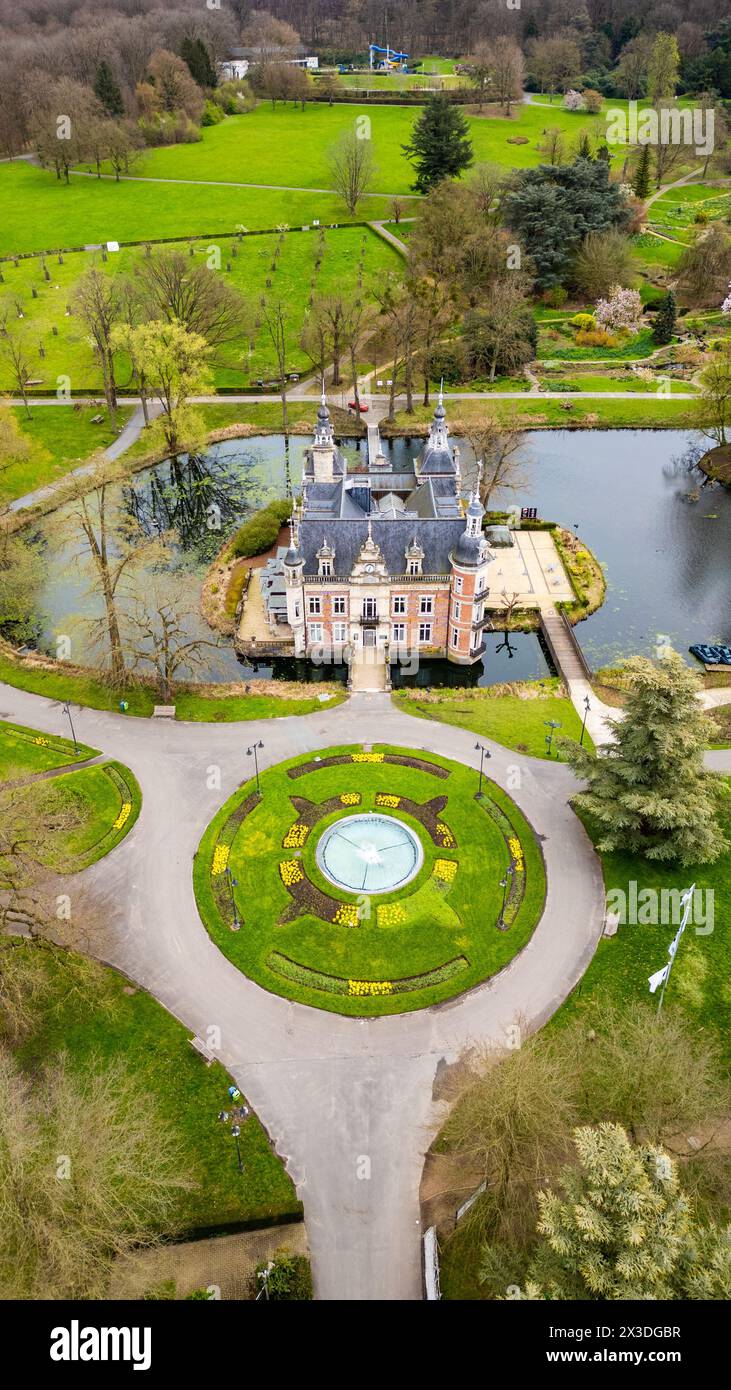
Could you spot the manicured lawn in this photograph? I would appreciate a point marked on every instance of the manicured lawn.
(39, 213)
(507, 719)
(444, 935)
(111, 1021)
(653, 253)
(658, 413)
(253, 265)
(62, 438)
(88, 811)
(81, 689)
(583, 381)
(26, 751)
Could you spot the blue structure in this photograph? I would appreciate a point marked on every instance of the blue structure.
(392, 55)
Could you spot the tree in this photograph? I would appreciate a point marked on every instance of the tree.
(478, 66)
(440, 146)
(552, 145)
(179, 289)
(622, 311)
(352, 168)
(61, 125)
(662, 72)
(276, 319)
(61, 1234)
(507, 72)
(198, 59)
(14, 353)
(107, 90)
(603, 259)
(111, 559)
(488, 184)
(665, 320)
(174, 88)
(553, 208)
(174, 362)
(498, 444)
(705, 268)
(624, 1229)
(501, 336)
(123, 145)
(648, 791)
(642, 176)
(21, 576)
(716, 389)
(435, 305)
(633, 65)
(97, 303)
(400, 312)
(160, 638)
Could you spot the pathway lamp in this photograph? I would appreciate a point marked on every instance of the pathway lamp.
(484, 753)
(505, 884)
(587, 707)
(233, 883)
(67, 712)
(551, 725)
(254, 752)
(235, 1132)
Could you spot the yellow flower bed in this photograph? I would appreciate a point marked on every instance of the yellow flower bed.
(123, 816)
(42, 742)
(347, 915)
(516, 850)
(290, 872)
(220, 859)
(390, 914)
(296, 836)
(446, 835)
(350, 798)
(386, 799)
(367, 757)
(445, 869)
(369, 987)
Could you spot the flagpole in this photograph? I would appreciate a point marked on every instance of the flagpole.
(687, 899)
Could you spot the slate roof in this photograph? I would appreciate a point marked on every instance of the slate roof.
(437, 537)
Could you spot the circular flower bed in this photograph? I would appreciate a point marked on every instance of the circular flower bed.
(465, 904)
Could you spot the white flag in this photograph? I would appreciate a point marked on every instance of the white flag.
(658, 978)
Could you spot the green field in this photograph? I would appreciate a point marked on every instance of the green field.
(513, 721)
(246, 264)
(418, 945)
(24, 752)
(62, 437)
(659, 413)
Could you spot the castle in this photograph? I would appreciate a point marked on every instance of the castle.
(382, 566)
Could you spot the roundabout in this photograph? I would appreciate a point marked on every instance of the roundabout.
(369, 881)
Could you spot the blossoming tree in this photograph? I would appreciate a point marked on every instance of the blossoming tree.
(622, 310)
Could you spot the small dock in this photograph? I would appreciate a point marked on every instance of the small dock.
(563, 645)
(376, 457)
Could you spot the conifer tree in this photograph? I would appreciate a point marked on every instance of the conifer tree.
(108, 91)
(198, 59)
(642, 181)
(665, 320)
(649, 790)
(440, 147)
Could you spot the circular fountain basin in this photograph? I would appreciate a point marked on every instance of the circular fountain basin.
(369, 854)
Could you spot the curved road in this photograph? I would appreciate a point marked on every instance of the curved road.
(330, 1090)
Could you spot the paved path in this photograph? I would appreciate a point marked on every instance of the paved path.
(330, 1090)
(232, 183)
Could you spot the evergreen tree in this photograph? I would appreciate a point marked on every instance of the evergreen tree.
(440, 147)
(642, 181)
(665, 320)
(624, 1229)
(554, 207)
(196, 55)
(583, 148)
(108, 91)
(603, 154)
(649, 790)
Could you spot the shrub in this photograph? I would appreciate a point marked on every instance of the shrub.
(595, 337)
(556, 297)
(592, 100)
(449, 361)
(584, 322)
(289, 1277)
(212, 114)
(701, 218)
(261, 530)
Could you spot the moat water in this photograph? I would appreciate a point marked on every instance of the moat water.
(628, 493)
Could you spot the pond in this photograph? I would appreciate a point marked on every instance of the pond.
(667, 558)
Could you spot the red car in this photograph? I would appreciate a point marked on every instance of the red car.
(353, 406)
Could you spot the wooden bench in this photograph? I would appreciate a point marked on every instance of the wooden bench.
(198, 1045)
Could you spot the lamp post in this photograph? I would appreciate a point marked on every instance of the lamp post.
(233, 883)
(484, 753)
(551, 725)
(253, 752)
(587, 707)
(505, 884)
(67, 712)
(235, 1131)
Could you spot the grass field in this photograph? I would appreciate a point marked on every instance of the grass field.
(61, 439)
(26, 751)
(586, 381)
(395, 939)
(658, 413)
(511, 720)
(346, 257)
(110, 1021)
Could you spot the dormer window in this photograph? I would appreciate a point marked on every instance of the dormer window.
(414, 558)
(326, 560)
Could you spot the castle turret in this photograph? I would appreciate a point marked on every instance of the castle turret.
(327, 464)
(294, 566)
(469, 562)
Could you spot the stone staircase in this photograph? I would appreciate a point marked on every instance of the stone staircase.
(368, 671)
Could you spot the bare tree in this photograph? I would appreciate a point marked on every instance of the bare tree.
(97, 301)
(275, 317)
(352, 168)
(161, 640)
(111, 558)
(176, 287)
(13, 352)
(499, 445)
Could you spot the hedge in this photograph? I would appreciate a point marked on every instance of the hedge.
(261, 530)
